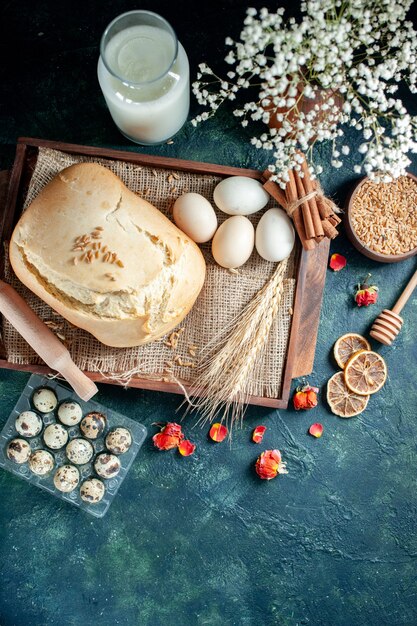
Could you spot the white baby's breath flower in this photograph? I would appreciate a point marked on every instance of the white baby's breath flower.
(353, 49)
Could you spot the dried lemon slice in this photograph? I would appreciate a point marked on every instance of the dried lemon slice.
(365, 372)
(347, 345)
(342, 401)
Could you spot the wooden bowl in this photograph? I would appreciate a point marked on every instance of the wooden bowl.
(358, 243)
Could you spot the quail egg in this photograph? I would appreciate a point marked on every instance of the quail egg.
(92, 490)
(44, 400)
(93, 425)
(18, 451)
(70, 413)
(66, 478)
(118, 440)
(41, 462)
(79, 451)
(55, 436)
(28, 424)
(107, 465)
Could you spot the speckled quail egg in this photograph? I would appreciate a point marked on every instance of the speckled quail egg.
(70, 413)
(44, 400)
(107, 465)
(41, 462)
(79, 451)
(118, 440)
(18, 451)
(92, 490)
(55, 436)
(93, 425)
(66, 478)
(28, 424)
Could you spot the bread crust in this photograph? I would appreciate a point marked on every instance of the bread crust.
(134, 280)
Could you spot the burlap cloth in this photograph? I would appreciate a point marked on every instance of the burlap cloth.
(222, 298)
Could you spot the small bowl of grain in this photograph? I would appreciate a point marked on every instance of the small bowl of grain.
(381, 219)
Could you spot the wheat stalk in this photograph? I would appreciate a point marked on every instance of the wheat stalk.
(222, 385)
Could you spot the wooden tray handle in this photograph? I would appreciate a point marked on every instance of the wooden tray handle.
(43, 341)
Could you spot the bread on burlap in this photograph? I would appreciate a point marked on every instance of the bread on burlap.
(105, 259)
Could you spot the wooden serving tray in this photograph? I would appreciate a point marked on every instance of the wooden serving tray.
(310, 275)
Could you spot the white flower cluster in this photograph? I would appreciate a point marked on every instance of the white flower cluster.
(340, 65)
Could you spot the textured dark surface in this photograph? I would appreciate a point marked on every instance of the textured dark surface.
(201, 540)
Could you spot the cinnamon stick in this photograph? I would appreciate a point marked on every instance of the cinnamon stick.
(312, 222)
(305, 209)
(329, 230)
(325, 211)
(292, 196)
(334, 219)
(276, 192)
(314, 211)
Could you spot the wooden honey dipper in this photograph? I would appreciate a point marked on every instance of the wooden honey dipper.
(388, 323)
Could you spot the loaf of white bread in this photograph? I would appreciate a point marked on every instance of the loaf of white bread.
(105, 259)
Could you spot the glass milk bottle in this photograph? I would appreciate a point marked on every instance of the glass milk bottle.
(143, 73)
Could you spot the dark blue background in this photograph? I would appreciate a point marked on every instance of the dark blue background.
(200, 540)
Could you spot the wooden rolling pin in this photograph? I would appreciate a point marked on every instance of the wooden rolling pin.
(43, 341)
(388, 323)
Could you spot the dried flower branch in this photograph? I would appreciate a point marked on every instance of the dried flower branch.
(344, 58)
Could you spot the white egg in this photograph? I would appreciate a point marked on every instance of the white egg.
(195, 216)
(240, 195)
(274, 235)
(233, 242)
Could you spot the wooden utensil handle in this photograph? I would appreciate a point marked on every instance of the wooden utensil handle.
(43, 340)
(406, 294)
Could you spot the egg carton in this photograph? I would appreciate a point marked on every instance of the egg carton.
(114, 419)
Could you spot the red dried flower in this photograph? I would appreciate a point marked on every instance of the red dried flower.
(366, 294)
(169, 437)
(218, 432)
(269, 465)
(337, 262)
(305, 397)
(316, 430)
(186, 448)
(258, 434)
